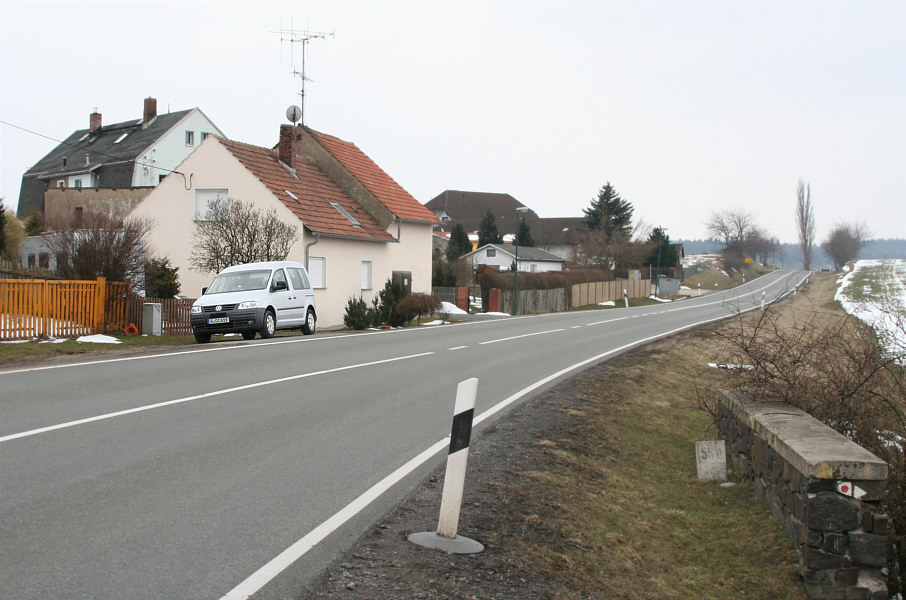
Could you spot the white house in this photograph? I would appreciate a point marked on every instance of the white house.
(534, 260)
(133, 154)
(358, 226)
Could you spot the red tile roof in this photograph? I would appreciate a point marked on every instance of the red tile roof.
(314, 193)
(391, 194)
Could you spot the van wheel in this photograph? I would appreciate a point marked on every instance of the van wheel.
(269, 326)
(309, 327)
(248, 335)
(202, 338)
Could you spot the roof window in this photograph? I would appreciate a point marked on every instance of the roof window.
(343, 212)
(293, 196)
(121, 138)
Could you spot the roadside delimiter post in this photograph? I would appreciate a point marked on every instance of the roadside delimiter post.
(454, 479)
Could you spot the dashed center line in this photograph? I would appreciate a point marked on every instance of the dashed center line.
(516, 337)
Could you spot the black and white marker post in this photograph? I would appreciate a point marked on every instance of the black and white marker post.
(454, 479)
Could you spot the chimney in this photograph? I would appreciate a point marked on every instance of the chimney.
(94, 121)
(286, 146)
(150, 110)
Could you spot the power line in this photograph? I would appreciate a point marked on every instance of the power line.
(137, 162)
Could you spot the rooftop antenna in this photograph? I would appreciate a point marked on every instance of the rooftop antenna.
(300, 36)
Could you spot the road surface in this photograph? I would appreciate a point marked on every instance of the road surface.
(242, 469)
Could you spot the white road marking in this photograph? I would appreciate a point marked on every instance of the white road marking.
(457, 347)
(265, 574)
(138, 409)
(516, 337)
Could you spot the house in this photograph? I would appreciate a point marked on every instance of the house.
(534, 260)
(469, 208)
(358, 227)
(113, 166)
(558, 235)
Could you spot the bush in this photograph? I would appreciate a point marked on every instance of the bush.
(161, 278)
(357, 316)
(384, 306)
(419, 304)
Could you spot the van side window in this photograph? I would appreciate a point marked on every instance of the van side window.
(279, 275)
(297, 276)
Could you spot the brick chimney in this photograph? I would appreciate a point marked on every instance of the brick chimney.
(286, 146)
(150, 110)
(94, 121)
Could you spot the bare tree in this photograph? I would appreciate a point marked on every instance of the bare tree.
(97, 243)
(805, 222)
(844, 242)
(731, 226)
(235, 232)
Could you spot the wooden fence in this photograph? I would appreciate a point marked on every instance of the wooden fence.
(533, 302)
(32, 308)
(596, 292)
(175, 314)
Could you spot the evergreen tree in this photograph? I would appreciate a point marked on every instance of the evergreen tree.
(663, 253)
(161, 278)
(459, 243)
(524, 234)
(34, 223)
(609, 213)
(487, 231)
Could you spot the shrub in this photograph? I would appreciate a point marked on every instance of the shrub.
(357, 316)
(161, 278)
(419, 304)
(384, 305)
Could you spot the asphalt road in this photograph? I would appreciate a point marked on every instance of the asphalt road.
(243, 469)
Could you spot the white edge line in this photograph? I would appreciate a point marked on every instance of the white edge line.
(32, 432)
(265, 574)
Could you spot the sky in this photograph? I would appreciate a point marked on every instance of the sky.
(685, 107)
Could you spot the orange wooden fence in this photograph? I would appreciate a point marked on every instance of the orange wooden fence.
(37, 308)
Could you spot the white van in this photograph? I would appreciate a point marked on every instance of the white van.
(255, 298)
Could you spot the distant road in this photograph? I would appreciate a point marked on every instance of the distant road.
(244, 468)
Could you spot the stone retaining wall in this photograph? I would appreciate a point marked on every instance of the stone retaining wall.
(824, 489)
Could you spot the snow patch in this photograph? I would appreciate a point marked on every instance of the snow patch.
(98, 339)
(608, 303)
(451, 309)
(659, 299)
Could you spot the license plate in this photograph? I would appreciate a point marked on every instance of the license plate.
(218, 320)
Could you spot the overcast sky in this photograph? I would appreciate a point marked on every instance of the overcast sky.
(686, 107)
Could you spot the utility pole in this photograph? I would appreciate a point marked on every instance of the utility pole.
(300, 36)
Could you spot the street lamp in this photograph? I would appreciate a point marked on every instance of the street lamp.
(519, 209)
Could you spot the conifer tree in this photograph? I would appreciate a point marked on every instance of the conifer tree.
(487, 231)
(609, 214)
(459, 243)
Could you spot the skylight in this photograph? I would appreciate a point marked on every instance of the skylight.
(293, 196)
(120, 139)
(343, 212)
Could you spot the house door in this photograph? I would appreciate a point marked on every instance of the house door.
(404, 278)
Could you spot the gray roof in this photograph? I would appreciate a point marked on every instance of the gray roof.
(469, 208)
(525, 253)
(98, 152)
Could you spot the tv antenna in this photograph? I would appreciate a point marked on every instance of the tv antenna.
(300, 36)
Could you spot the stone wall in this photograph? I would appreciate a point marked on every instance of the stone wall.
(825, 490)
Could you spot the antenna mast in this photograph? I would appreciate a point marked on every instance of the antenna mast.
(300, 36)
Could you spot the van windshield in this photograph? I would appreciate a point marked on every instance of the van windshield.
(238, 281)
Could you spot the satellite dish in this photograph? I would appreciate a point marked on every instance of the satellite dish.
(294, 113)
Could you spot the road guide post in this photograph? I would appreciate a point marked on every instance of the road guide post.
(446, 538)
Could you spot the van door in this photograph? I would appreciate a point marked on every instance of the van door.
(301, 288)
(283, 300)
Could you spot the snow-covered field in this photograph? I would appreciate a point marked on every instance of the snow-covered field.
(875, 292)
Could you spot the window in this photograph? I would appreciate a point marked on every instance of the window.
(121, 138)
(77, 183)
(343, 212)
(297, 276)
(366, 274)
(190, 138)
(61, 184)
(279, 276)
(160, 178)
(492, 252)
(204, 198)
(204, 135)
(317, 270)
